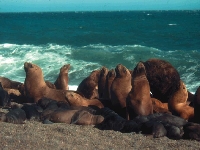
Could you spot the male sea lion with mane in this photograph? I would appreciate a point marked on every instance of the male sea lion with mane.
(163, 78)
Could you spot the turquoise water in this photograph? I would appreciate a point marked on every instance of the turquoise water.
(89, 40)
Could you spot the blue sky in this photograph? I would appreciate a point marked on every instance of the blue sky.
(92, 5)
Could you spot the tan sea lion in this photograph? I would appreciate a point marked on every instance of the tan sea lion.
(159, 107)
(63, 79)
(163, 78)
(76, 99)
(102, 82)
(109, 79)
(89, 86)
(138, 101)
(7, 83)
(177, 104)
(35, 86)
(120, 88)
(78, 117)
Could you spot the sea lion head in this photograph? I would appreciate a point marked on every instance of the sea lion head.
(33, 70)
(65, 68)
(111, 73)
(103, 71)
(121, 71)
(139, 70)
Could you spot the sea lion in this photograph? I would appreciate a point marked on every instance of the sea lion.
(63, 79)
(112, 121)
(16, 116)
(163, 78)
(120, 88)
(10, 84)
(157, 129)
(178, 103)
(78, 117)
(109, 79)
(191, 131)
(159, 107)
(33, 111)
(4, 97)
(138, 101)
(197, 106)
(102, 82)
(35, 86)
(89, 86)
(51, 85)
(75, 99)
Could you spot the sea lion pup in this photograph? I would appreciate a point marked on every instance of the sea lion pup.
(89, 86)
(7, 83)
(191, 131)
(159, 107)
(112, 121)
(35, 86)
(178, 103)
(109, 79)
(4, 97)
(120, 88)
(102, 82)
(197, 106)
(163, 78)
(138, 101)
(33, 111)
(75, 99)
(63, 79)
(15, 116)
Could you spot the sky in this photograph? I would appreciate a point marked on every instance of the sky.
(96, 5)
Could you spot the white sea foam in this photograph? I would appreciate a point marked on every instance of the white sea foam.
(172, 24)
(85, 59)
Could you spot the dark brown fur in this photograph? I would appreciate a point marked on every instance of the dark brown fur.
(163, 78)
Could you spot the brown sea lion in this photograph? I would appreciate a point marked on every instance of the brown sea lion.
(79, 117)
(76, 99)
(109, 79)
(120, 88)
(7, 83)
(89, 86)
(63, 79)
(35, 86)
(102, 82)
(138, 101)
(163, 78)
(177, 104)
(159, 107)
(51, 85)
(197, 106)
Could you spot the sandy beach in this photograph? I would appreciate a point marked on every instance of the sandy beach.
(35, 135)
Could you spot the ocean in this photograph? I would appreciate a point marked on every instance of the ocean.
(90, 40)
